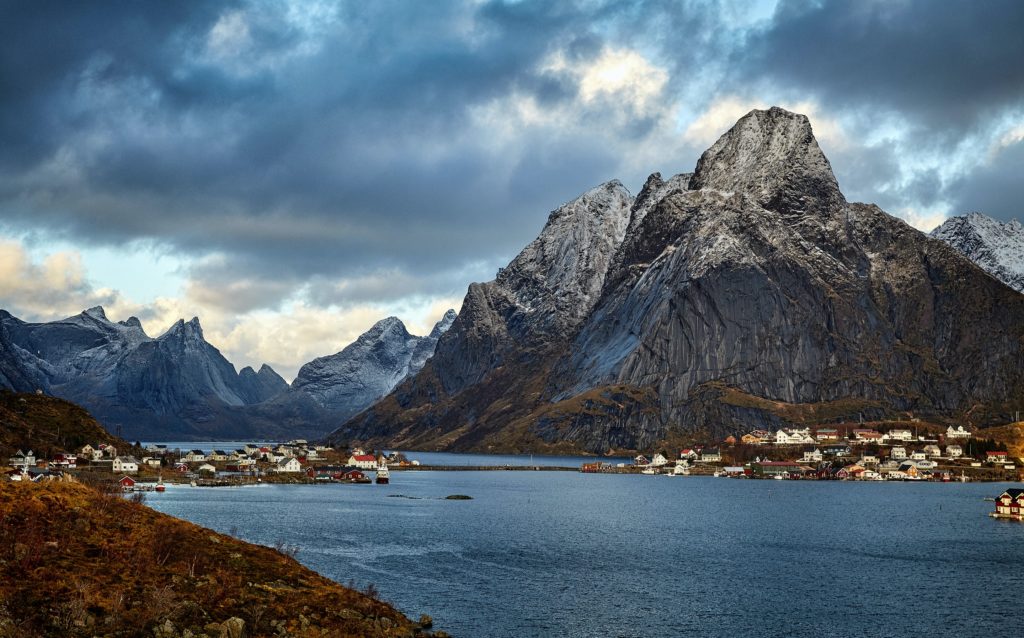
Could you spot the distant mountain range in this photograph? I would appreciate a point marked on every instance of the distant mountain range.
(995, 246)
(178, 385)
(748, 293)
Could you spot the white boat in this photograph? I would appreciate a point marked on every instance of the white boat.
(680, 470)
(648, 470)
(383, 475)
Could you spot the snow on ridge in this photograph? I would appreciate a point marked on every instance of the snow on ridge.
(997, 247)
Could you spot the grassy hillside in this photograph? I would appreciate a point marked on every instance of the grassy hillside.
(47, 424)
(81, 562)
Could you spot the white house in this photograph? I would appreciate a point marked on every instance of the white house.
(362, 461)
(954, 451)
(812, 456)
(125, 465)
(918, 455)
(899, 435)
(194, 456)
(932, 451)
(869, 459)
(794, 437)
(290, 464)
(218, 455)
(151, 461)
(898, 452)
(206, 467)
(659, 461)
(958, 433)
(23, 459)
(710, 455)
(87, 451)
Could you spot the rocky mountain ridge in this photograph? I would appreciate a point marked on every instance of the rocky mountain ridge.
(178, 385)
(997, 247)
(737, 296)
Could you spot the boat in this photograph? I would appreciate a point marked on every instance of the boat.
(383, 476)
(648, 470)
(160, 487)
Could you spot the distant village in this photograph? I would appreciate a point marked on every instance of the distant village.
(294, 461)
(837, 453)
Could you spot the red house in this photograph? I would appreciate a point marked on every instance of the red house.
(127, 483)
(1010, 504)
(995, 456)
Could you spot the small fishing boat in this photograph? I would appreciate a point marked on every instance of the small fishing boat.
(160, 487)
(383, 475)
(648, 470)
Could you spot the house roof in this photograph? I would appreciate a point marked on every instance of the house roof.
(1014, 492)
(364, 457)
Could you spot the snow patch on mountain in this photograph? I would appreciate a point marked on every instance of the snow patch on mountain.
(997, 247)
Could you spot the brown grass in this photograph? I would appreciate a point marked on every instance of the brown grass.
(83, 561)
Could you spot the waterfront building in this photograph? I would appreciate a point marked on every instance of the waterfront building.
(1010, 504)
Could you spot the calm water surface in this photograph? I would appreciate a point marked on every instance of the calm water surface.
(567, 554)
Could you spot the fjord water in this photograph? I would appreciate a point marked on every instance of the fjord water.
(568, 554)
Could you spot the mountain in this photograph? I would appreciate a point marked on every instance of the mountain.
(174, 385)
(748, 293)
(368, 368)
(995, 246)
(178, 385)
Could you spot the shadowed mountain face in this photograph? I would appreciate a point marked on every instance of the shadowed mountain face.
(746, 294)
(177, 385)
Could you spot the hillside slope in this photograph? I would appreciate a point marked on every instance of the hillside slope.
(48, 425)
(126, 570)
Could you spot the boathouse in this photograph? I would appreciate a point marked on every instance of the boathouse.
(1010, 504)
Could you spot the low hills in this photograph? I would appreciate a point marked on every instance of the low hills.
(48, 425)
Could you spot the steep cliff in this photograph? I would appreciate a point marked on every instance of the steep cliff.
(749, 284)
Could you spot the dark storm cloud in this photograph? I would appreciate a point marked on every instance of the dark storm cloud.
(945, 66)
(996, 188)
(374, 139)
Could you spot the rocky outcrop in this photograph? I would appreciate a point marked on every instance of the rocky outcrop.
(742, 295)
(997, 247)
(368, 368)
(257, 387)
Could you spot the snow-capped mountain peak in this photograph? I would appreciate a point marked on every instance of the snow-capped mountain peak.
(997, 247)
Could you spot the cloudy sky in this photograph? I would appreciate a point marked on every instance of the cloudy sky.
(293, 171)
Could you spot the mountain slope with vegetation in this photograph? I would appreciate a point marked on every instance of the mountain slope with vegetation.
(48, 425)
(81, 561)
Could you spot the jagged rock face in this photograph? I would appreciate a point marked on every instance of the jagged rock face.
(543, 294)
(176, 384)
(258, 387)
(371, 366)
(745, 291)
(998, 248)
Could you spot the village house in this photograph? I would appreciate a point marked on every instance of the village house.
(868, 459)
(954, 451)
(124, 465)
(752, 439)
(958, 433)
(711, 455)
(23, 459)
(288, 465)
(899, 435)
(108, 451)
(206, 468)
(777, 468)
(932, 451)
(995, 456)
(86, 451)
(812, 456)
(793, 437)
(836, 450)
(898, 452)
(217, 455)
(689, 454)
(151, 461)
(918, 455)
(867, 435)
(194, 456)
(659, 461)
(826, 434)
(369, 462)
(1010, 504)
(64, 461)
(127, 483)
